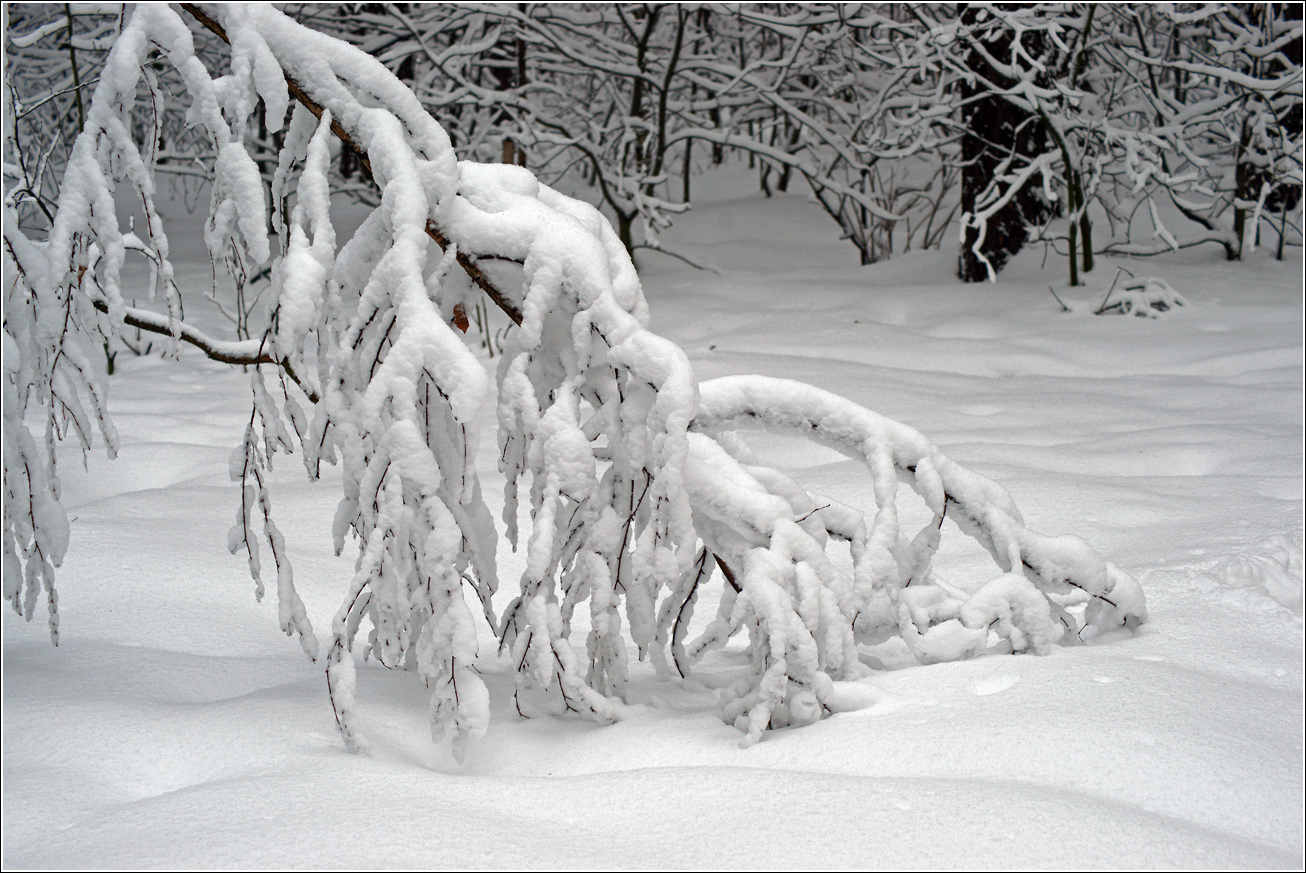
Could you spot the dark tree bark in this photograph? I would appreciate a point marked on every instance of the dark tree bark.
(1284, 198)
(507, 66)
(994, 130)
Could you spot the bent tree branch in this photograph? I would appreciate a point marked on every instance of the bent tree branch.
(466, 261)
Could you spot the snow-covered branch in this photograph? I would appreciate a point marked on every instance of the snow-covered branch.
(634, 484)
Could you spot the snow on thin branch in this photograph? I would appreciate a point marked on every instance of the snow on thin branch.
(781, 546)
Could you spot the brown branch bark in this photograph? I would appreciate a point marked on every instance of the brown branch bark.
(142, 320)
(466, 261)
(728, 573)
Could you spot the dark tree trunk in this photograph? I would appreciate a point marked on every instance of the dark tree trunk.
(624, 222)
(1285, 197)
(508, 67)
(994, 129)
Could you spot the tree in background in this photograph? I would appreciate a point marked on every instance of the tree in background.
(899, 118)
(997, 134)
(1223, 90)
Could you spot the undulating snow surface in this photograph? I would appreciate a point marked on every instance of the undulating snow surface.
(174, 726)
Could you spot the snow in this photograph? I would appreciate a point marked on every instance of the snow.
(174, 726)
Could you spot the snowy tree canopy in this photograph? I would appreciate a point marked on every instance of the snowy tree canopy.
(638, 491)
(1090, 112)
(1067, 124)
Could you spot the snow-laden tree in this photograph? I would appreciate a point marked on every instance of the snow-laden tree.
(832, 94)
(1116, 106)
(637, 490)
(1215, 92)
(623, 93)
(1093, 113)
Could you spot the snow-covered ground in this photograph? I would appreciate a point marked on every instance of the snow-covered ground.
(175, 727)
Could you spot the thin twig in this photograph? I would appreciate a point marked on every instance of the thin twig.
(1064, 307)
(1102, 308)
(707, 267)
(144, 320)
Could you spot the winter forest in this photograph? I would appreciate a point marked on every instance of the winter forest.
(664, 435)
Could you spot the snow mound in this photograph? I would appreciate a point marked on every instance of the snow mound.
(1277, 567)
(1145, 298)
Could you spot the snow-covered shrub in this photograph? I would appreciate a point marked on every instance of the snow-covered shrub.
(1145, 298)
(637, 487)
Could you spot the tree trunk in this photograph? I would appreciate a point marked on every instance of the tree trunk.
(1246, 176)
(521, 82)
(684, 181)
(994, 129)
(624, 221)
